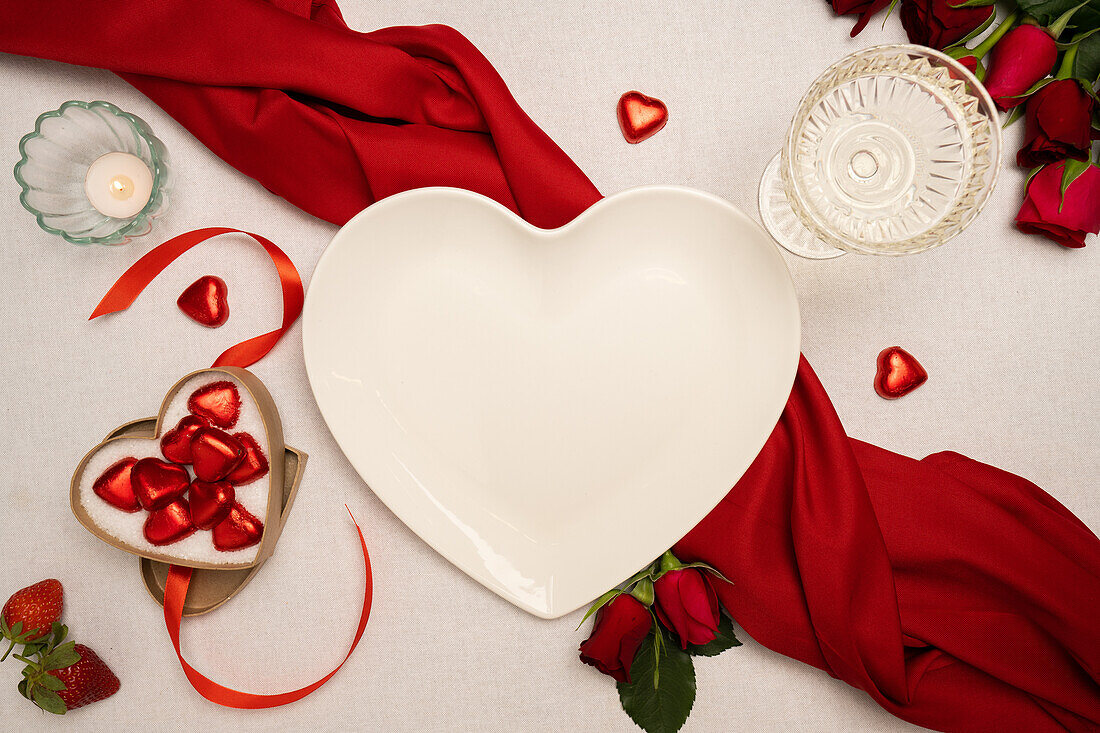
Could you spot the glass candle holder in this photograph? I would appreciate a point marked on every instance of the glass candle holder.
(93, 174)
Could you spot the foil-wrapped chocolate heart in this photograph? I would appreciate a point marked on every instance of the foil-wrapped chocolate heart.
(127, 494)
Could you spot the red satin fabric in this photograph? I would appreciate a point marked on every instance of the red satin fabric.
(328, 118)
(129, 286)
(175, 591)
(959, 596)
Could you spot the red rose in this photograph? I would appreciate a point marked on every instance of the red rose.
(620, 628)
(938, 24)
(1065, 220)
(687, 604)
(971, 63)
(1059, 121)
(864, 8)
(1024, 56)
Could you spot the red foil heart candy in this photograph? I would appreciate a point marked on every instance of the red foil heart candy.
(205, 301)
(210, 503)
(641, 117)
(238, 530)
(169, 524)
(218, 402)
(253, 467)
(899, 373)
(215, 453)
(176, 443)
(115, 487)
(158, 483)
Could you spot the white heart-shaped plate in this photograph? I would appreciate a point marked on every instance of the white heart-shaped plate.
(551, 409)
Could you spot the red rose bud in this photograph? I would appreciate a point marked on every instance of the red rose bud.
(938, 24)
(1066, 220)
(863, 8)
(1059, 121)
(687, 604)
(620, 628)
(1021, 58)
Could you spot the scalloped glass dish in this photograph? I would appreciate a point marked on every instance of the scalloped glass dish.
(893, 150)
(54, 160)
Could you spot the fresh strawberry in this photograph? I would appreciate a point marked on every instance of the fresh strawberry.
(31, 612)
(89, 680)
(64, 676)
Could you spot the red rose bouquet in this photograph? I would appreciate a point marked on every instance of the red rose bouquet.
(1041, 62)
(648, 630)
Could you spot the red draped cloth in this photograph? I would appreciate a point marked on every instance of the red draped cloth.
(958, 596)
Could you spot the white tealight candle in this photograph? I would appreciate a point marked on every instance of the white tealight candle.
(118, 184)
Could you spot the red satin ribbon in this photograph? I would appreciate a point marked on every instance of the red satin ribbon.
(128, 287)
(175, 591)
(120, 297)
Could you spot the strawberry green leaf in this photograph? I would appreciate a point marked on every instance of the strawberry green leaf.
(48, 700)
(33, 648)
(61, 657)
(970, 3)
(723, 640)
(51, 683)
(22, 687)
(662, 709)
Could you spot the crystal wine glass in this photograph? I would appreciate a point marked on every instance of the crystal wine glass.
(893, 150)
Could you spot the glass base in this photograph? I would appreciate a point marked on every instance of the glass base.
(782, 223)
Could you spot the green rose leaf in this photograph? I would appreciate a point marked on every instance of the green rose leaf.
(1073, 170)
(600, 603)
(1048, 11)
(1016, 113)
(723, 640)
(701, 566)
(661, 708)
(1086, 65)
(970, 3)
(974, 33)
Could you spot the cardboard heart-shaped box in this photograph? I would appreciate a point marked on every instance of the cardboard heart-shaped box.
(213, 582)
